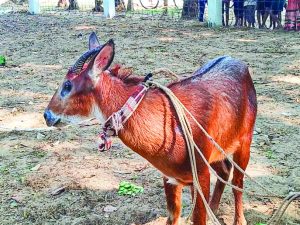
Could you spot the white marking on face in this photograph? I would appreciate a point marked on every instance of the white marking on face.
(96, 112)
(72, 119)
(94, 73)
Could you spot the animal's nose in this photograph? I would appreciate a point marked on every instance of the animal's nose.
(47, 115)
(50, 118)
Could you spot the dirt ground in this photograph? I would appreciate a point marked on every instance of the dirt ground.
(36, 162)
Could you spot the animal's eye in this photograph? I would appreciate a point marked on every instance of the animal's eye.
(66, 88)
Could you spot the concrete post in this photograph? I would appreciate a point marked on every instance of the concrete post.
(109, 8)
(214, 13)
(34, 7)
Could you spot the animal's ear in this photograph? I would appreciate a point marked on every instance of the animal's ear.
(104, 58)
(93, 41)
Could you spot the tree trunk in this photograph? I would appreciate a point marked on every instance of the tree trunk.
(165, 7)
(73, 5)
(130, 6)
(190, 9)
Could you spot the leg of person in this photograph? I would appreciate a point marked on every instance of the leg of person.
(258, 17)
(298, 17)
(223, 10)
(227, 13)
(267, 5)
(253, 16)
(201, 10)
(236, 12)
(265, 17)
(260, 8)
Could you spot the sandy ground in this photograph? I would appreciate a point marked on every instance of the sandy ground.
(35, 163)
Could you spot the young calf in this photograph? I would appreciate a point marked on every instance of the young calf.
(220, 95)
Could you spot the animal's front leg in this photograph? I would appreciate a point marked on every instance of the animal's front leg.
(173, 196)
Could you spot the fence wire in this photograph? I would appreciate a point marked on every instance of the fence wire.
(235, 13)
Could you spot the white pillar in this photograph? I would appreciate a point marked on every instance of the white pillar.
(109, 8)
(214, 13)
(34, 7)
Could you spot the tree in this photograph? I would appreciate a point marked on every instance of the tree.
(190, 9)
(130, 5)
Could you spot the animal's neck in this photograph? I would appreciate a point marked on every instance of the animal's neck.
(111, 94)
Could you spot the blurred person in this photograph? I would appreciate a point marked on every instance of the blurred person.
(249, 12)
(283, 5)
(238, 8)
(201, 5)
(268, 8)
(225, 9)
(261, 10)
(292, 16)
(276, 9)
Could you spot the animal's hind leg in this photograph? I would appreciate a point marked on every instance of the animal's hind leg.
(223, 169)
(240, 157)
(173, 195)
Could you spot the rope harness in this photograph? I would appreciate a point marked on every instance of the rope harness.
(115, 123)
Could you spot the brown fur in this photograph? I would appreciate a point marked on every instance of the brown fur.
(224, 102)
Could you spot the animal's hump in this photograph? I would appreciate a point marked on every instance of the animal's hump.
(208, 66)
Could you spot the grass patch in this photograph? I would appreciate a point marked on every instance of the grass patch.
(270, 154)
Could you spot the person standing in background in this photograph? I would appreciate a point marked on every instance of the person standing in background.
(292, 16)
(276, 8)
(225, 9)
(282, 5)
(261, 10)
(201, 5)
(238, 8)
(268, 9)
(249, 12)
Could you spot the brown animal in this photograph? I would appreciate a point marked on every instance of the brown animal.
(220, 95)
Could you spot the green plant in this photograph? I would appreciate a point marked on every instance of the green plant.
(126, 188)
(2, 60)
(270, 154)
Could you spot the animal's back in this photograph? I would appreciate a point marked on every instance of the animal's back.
(222, 97)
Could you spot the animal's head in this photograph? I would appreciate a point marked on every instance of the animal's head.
(74, 100)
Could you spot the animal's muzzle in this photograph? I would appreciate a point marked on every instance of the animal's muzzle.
(50, 118)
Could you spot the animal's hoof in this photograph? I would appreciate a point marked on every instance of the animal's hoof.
(240, 221)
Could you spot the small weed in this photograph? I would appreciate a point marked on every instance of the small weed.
(13, 204)
(39, 154)
(270, 154)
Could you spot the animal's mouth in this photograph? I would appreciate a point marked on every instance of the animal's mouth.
(51, 119)
(57, 123)
(53, 122)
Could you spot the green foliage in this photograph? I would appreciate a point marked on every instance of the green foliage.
(2, 60)
(270, 154)
(126, 188)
